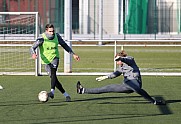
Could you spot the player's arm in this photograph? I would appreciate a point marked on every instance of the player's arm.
(129, 60)
(109, 76)
(33, 48)
(115, 74)
(66, 47)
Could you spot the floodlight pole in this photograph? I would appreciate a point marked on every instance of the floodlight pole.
(68, 35)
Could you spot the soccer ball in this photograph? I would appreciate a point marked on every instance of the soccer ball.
(43, 96)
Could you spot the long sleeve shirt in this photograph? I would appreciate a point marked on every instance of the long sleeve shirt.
(129, 69)
(40, 40)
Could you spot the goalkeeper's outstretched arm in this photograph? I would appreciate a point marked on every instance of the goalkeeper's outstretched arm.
(101, 78)
(110, 76)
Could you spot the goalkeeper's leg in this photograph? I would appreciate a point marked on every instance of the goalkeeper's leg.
(113, 88)
(134, 85)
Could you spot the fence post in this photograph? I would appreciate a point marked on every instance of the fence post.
(115, 51)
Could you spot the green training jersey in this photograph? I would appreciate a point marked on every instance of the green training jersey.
(49, 49)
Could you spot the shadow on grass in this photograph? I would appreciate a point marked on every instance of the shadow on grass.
(173, 101)
(82, 118)
(104, 98)
(91, 117)
(30, 102)
(164, 109)
(96, 118)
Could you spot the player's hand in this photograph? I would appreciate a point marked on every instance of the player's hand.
(101, 78)
(117, 58)
(34, 56)
(76, 57)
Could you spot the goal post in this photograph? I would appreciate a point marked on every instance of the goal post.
(18, 30)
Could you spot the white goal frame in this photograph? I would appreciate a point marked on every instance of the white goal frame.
(9, 38)
(38, 65)
(24, 13)
(115, 45)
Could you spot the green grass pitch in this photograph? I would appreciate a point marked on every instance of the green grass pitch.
(19, 103)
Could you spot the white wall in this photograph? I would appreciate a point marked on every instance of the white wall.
(89, 16)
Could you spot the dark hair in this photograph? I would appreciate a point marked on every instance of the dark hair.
(49, 26)
(122, 54)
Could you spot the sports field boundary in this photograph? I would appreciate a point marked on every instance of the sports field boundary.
(94, 73)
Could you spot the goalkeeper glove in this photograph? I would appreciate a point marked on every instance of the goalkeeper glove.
(101, 78)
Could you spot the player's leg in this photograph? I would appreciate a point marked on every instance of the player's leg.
(61, 89)
(59, 86)
(51, 70)
(116, 88)
(54, 78)
(51, 73)
(134, 85)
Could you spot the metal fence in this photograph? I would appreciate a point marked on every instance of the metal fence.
(117, 18)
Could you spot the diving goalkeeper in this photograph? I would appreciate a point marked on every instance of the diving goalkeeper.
(132, 80)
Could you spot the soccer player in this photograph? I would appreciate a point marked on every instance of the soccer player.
(48, 45)
(132, 80)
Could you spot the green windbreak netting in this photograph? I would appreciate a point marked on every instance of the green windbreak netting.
(137, 17)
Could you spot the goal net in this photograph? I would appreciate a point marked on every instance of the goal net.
(18, 30)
